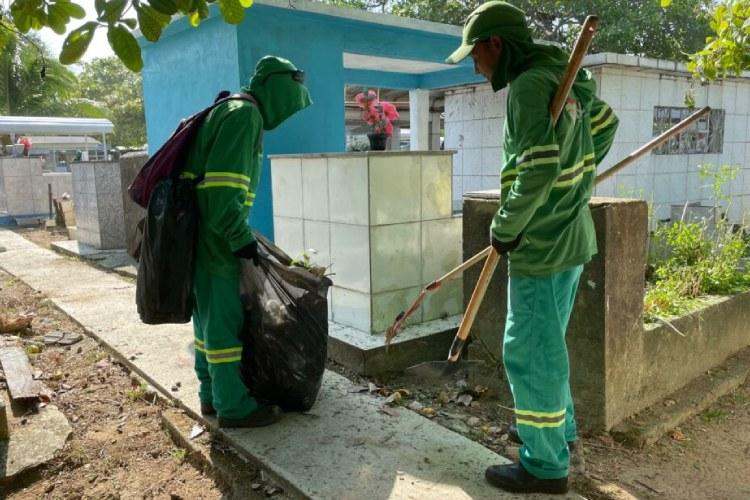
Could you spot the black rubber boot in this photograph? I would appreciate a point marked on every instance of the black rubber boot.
(515, 479)
(261, 417)
(207, 409)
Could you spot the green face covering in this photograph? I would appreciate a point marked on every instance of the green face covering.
(279, 88)
(519, 55)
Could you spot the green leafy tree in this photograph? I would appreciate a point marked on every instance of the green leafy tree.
(119, 93)
(119, 18)
(627, 26)
(34, 84)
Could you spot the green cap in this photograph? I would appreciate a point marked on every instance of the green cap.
(492, 18)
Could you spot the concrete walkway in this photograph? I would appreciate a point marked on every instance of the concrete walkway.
(344, 448)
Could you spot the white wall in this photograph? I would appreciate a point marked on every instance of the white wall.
(665, 180)
(474, 119)
(473, 126)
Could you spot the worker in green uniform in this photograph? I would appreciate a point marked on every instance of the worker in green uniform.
(226, 159)
(543, 226)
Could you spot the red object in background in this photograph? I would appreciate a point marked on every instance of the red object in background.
(26, 145)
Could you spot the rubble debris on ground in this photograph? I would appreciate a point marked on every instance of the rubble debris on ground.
(15, 324)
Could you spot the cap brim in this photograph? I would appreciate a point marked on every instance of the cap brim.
(460, 54)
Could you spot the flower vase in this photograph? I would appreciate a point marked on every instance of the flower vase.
(377, 141)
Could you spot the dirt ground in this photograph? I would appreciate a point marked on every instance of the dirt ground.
(43, 237)
(707, 458)
(118, 448)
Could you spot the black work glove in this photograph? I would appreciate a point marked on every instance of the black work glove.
(249, 252)
(503, 247)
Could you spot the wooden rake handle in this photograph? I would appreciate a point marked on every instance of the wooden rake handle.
(558, 103)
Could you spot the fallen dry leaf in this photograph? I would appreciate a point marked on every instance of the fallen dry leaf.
(428, 412)
(443, 398)
(678, 435)
(394, 398)
(607, 440)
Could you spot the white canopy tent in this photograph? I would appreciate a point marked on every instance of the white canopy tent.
(55, 126)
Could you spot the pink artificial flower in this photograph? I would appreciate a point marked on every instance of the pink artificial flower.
(359, 98)
(389, 110)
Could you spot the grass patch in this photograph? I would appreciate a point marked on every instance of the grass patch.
(713, 415)
(137, 393)
(740, 397)
(178, 454)
(95, 356)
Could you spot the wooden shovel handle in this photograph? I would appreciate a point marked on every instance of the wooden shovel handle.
(476, 300)
(574, 65)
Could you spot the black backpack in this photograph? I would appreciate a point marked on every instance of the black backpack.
(164, 284)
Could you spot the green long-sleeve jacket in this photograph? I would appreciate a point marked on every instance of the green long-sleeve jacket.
(549, 172)
(227, 159)
(227, 154)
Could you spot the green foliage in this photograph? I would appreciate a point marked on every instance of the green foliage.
(125, 46)
(713, 415)
(641, 28)
(77, 43)
(119, 93)
(137, 392)
(34, 84)
(719, 177)
(178, 455)
(112, 15)
(727, 50)
(691, 259)
(305, 261)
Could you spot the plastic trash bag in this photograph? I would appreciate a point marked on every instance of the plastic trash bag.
(166, 268)
(285, 334)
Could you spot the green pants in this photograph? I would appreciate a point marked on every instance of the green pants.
(217, 324)
(536, 362)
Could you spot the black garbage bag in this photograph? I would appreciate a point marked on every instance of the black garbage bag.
(164, 286)
(285, 337)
